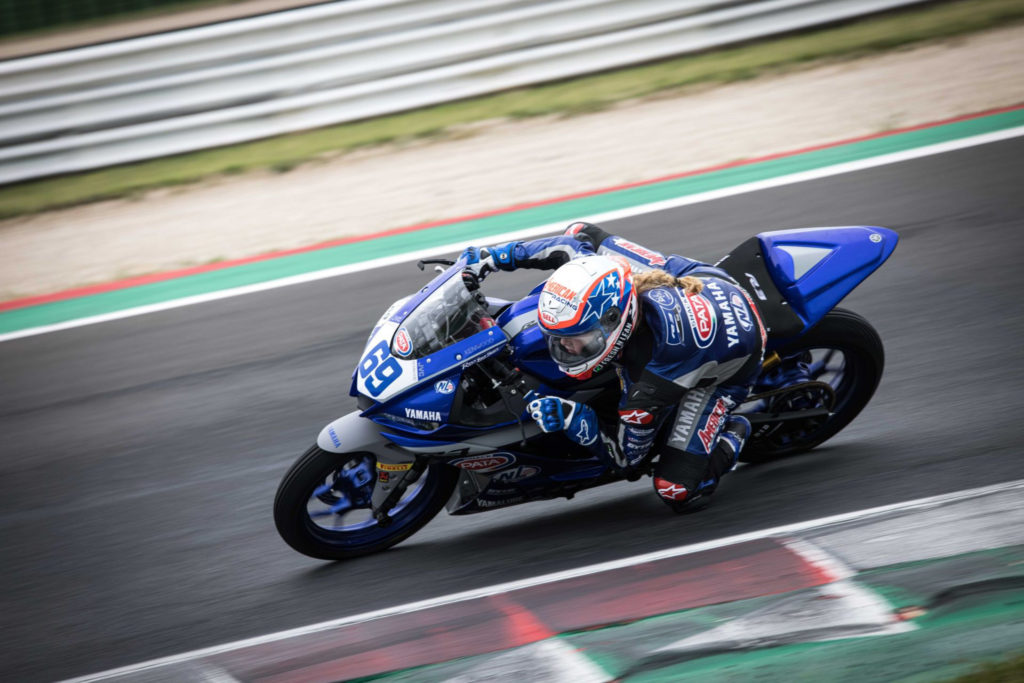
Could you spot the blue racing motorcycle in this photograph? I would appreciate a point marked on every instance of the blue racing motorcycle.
(442, 383)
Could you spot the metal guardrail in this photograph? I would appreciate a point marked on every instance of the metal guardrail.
(264, 76)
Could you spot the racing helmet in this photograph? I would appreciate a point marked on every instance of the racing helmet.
(586, 311)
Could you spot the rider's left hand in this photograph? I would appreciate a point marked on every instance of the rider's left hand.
(483, 260)
(553, 414)
(479, 261)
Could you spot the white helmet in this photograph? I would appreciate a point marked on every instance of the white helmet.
(587, 310)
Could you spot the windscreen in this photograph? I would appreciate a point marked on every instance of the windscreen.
(449, 314)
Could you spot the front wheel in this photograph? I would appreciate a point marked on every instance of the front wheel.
(322, 505)
(839, 363)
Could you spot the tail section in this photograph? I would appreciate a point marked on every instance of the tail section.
(800, 275)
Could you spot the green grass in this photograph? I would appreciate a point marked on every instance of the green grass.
(1009, 671)
(581, 95)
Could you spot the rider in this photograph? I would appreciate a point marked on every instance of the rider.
(685, 340)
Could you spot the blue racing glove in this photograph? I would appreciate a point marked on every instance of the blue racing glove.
(484, 260)
(553, 414)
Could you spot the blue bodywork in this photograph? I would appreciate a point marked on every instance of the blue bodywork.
(815, 268)
(530, 351)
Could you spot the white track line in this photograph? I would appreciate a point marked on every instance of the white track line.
(779, 531)
(793, 178)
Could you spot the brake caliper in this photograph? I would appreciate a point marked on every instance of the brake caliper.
(351, 488)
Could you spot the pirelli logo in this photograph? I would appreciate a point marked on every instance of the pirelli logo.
(400, 467)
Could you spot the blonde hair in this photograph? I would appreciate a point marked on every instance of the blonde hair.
(646, 281)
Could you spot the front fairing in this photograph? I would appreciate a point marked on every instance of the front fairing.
(411, 366)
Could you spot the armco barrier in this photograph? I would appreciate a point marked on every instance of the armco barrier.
(253, 78)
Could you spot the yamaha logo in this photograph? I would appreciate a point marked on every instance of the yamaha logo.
(429, 415)
(661, 297)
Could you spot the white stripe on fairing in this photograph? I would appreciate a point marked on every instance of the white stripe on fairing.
(793, 178)
(779, 531)
(520, 323)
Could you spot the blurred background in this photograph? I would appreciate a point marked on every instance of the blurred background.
(152, 150)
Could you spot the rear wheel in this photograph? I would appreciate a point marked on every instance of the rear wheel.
(841, 361)
(322, 507)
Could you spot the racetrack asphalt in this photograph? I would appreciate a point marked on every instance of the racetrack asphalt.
(140, 457)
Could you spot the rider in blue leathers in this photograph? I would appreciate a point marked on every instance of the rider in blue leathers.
(687, 343)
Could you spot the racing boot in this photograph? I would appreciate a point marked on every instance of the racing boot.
(730, 442)
(678, 497)
(679, 478)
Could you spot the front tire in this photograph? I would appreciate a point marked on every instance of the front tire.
(841, 335)
(303, 523)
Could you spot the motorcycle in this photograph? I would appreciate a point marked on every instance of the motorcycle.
(442, 385)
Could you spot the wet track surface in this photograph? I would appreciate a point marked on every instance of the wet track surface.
(139, 458)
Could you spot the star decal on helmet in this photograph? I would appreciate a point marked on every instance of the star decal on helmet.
(603, 296)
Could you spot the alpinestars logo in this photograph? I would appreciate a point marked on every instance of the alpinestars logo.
(667, 489)
(583, 436)
(635, 417)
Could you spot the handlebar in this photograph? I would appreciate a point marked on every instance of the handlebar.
(422, 263)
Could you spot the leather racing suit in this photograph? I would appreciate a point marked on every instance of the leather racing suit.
(691, 359)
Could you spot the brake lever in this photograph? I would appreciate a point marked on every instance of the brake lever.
(422, 263)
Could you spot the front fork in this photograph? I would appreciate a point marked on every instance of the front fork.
(393, 479)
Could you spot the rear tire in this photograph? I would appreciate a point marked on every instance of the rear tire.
(863, 361)
(299, 530)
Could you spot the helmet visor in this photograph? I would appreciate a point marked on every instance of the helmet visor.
(573, 350)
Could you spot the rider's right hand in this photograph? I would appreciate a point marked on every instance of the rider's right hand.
(554, 414)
